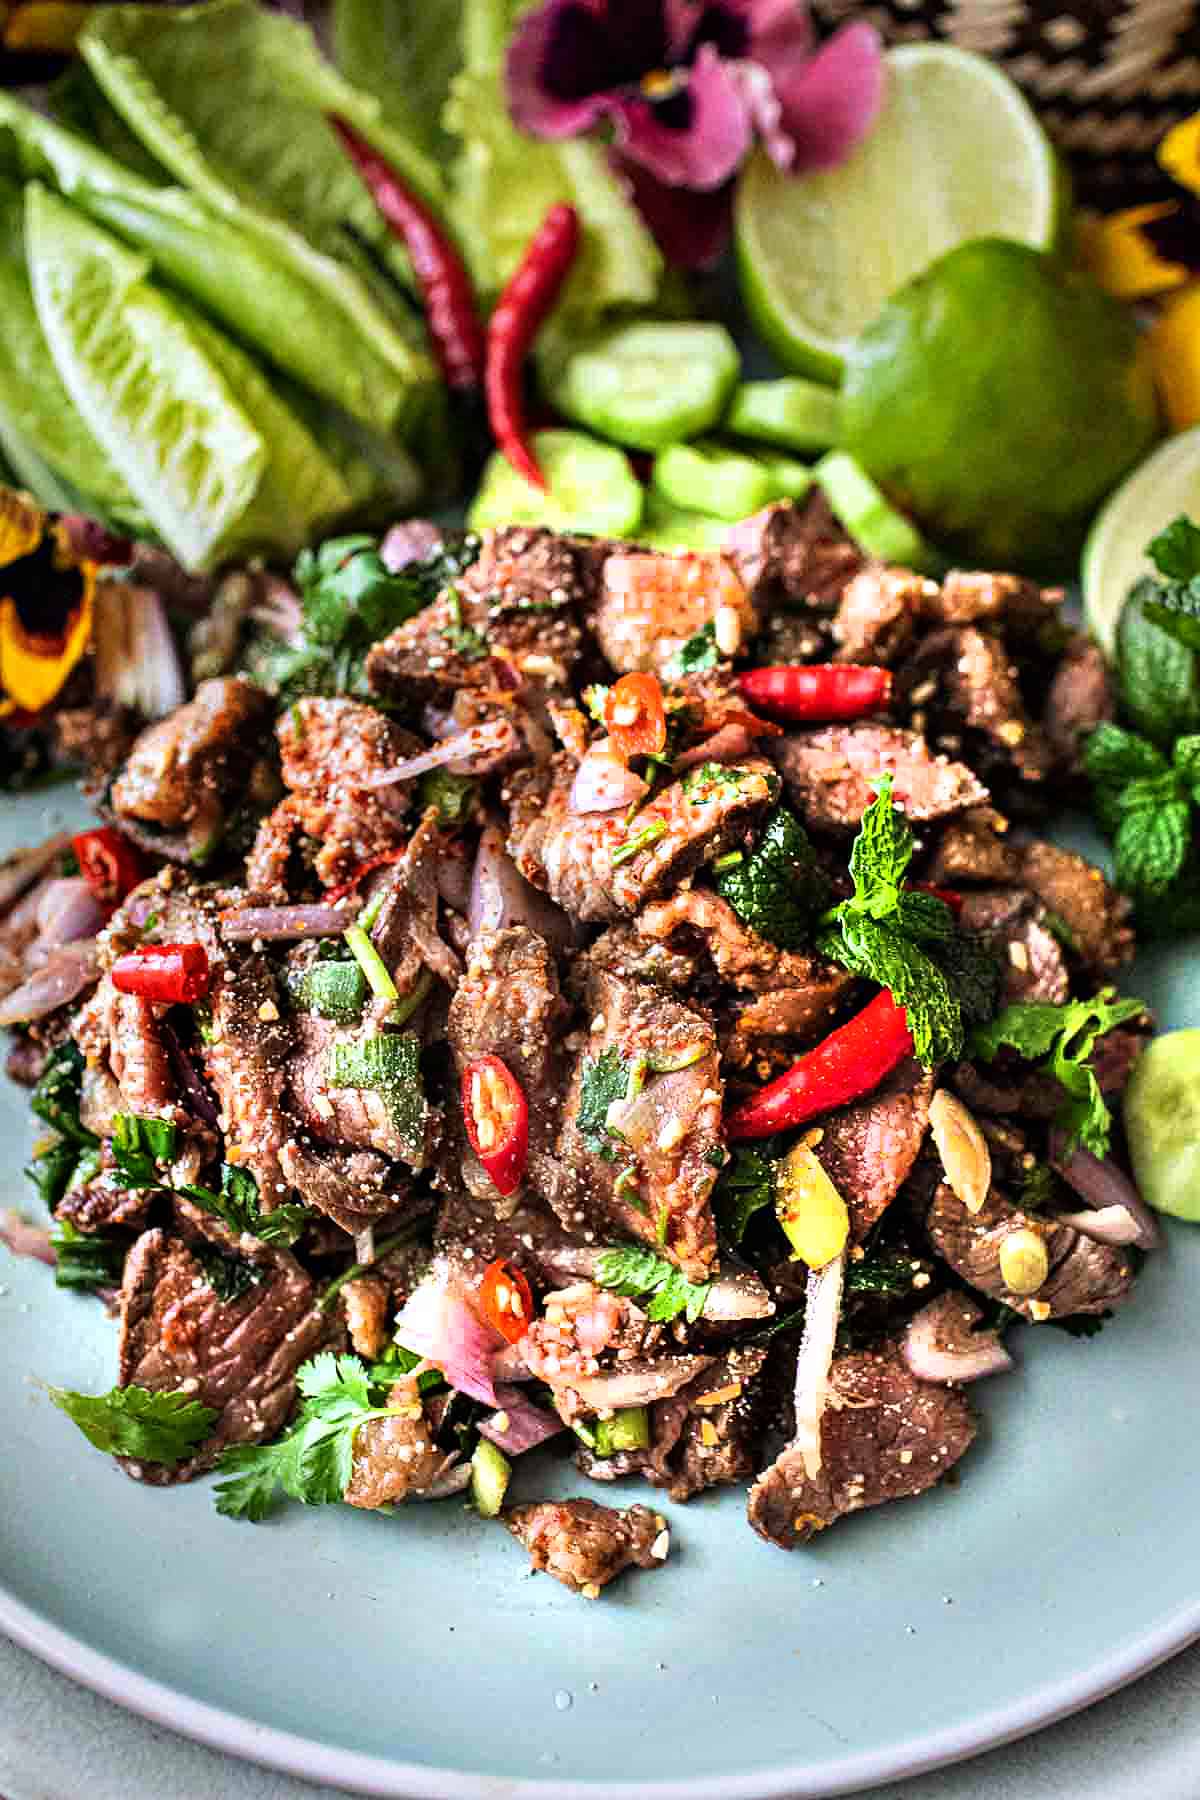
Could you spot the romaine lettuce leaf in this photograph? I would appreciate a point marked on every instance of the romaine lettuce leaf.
(404, 52)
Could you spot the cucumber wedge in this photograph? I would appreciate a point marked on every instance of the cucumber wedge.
(647, 384)
(591, 488)
(870, 519)
(672, 528)
(712, 479)
(791, 412)
(141, 381)
(491, 1473)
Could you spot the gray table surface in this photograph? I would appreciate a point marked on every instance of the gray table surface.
(60, 1742)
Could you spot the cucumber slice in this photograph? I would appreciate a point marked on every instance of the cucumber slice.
(491, 1473)
(1162, 1124)
(869, 518)
(790, 479)
(592, 487)
(648, 384)
(708, 478)
(671, 528)
(791, 412)
(628, 1429)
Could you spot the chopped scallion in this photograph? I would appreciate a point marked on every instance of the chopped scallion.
(641, 840)
(628, 1429)
(371, 963)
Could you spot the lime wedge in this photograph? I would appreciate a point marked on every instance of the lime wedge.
(141, 381)
(955, 154)
(1114, 558)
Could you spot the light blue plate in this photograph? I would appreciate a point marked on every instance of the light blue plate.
(414, 1655)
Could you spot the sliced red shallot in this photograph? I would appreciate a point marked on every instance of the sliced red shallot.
(636, 1384)
(137, 664)
(439, 1323)
(1099, 1182)
(1107, 1225)
(408, 541)
(471, 752)
(519, 1425)
(67, 911)
(500, 896)
(823, 1309)
(242, 924)
(64, 975)
(24, 1239)
(603, 782)
(941, 1343)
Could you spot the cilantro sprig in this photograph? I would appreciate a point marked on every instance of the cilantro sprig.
(142, 1147)
(134, 1421)
(314, 1460)
(603, 1079)
(908, 941)
(745, 1186)
(1061, 1039)
(1146, 802)
(643, 1275)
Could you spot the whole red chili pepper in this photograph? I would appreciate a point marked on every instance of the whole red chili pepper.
(496, 1114)
(849, 1062)
(166, 972)
(818, 691)
(532, 290)
(454, 326)
(108, 863)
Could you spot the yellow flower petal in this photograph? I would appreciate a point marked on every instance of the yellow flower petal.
(1117, 252)
(22, 526)
(1179, 153)
(1174, 343)
(31, 676)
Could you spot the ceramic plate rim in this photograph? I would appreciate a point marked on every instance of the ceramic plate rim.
(308, 1759)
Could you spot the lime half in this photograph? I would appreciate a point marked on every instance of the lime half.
(1114, 557)
(956, 153)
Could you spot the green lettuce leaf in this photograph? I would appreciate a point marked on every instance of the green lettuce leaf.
(301, 311)
(405, 53)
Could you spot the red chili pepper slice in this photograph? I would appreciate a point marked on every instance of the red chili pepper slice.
(531, 291)
(636, 717)
(455, 330)
(497, 1119)
(507, 1299)
(333, 895)
(167, 972)
(848, 1063)
(109, 863)
(816, 691)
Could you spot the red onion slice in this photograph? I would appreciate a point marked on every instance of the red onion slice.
(501, 896)
(276, 923)
(823, 1309)
(1103, 1185)
(637, 1384)
(1107, 1225)
(940, 1343)
(67, 911)
(472, 752)
(24, 1239)
(408, 541)
(603, 782)
(22, 868)
(438, 1323)
(524, 1425)
(64, 976)
(137, 664)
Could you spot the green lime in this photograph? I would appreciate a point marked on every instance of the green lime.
(956, 153)
(996, 400)
(1114, 557)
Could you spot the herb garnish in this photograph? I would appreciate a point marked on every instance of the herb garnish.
(603, 1079)
(1061, 1039)
(140, 1145)
(641, 1274)
(1175, 553)
(1146, 803)
(777, 888)
(454, 796)
(746, 1186)
(641, 840)
(699, 652)
(133, 1421)
(86, 1259)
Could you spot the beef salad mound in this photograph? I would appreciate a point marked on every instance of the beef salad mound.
(548, 992)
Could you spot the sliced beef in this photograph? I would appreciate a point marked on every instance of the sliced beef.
(980, 688)
(1011, 920)
(1080, 698)
(330, 749)
(99, 737)
(469, 1234)
(1085, 1276)
(516, 604)
(884, 1436)
(868, 1149)
(878, 613)
(121, 1032)
(793, 551)
(508, 1004)
(705, 1436)
(98, 1204)
(829, 772)
(246, 1065)
(395, 1458)
(572, 855)
(972, 597)
(975, 847)
(356, 1118)
(650, 604)
(654, 1181)
(187, 772)
(406, 931)
(352, 1187)
(1008, 1091)
(238, 1356)
(1096, 917)
(584, 1545)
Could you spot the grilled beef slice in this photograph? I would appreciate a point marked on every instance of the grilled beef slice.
(1085, 1276)
(793, 551)
(829, 772)
(584, 1545)
(1096, 917)
(1011, 919)
(867, 1149)
(650, 604)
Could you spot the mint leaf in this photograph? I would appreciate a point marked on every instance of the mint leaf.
(1158, 678)
(1151, 846)
(1177, 610)
(603, 1079)
(882, 953)
(133, 1421)
(745, 1187)
(880, 856)
(1175, 552)
(1186, 757)
(642, 1275)
(777, 888)
(1114, 756)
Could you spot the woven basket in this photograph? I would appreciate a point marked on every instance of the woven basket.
(1108, 79)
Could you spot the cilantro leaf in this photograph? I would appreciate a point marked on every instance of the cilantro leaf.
(641, 1274)
(133, 1421)
(1061, 1040)
(603, 1079)
(86, 1259)
(777, 888)
(1175, 552)
(746, 1185)
(454, 796)
(251, 1473)
(699, 652)
(56, 1097)
(139, 1145)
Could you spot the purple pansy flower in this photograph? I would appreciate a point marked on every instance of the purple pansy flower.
(686, 85)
